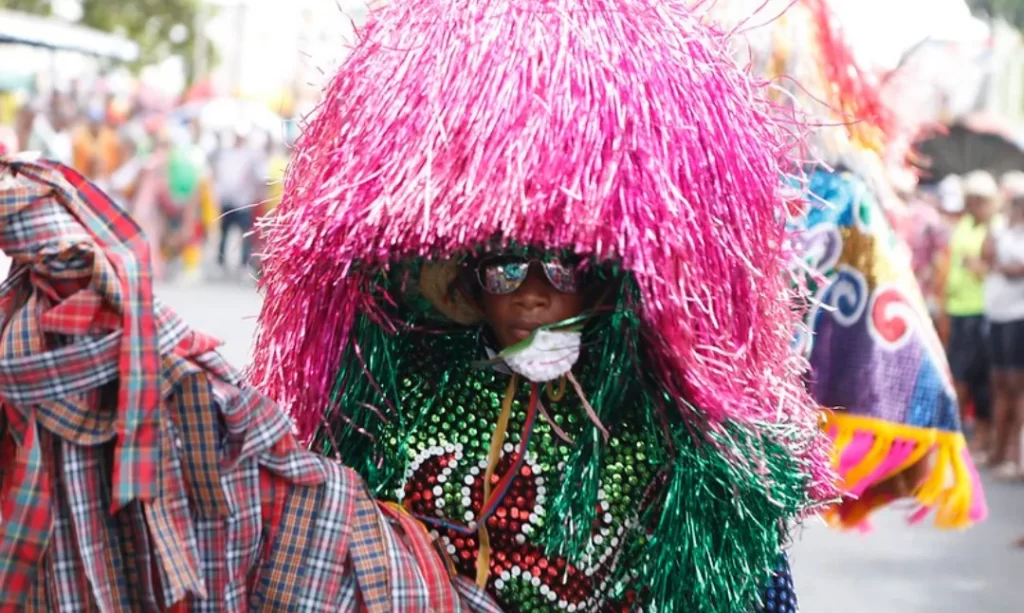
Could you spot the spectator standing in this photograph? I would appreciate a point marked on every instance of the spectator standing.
(240, 179)
(965, 304)
(1004, 306)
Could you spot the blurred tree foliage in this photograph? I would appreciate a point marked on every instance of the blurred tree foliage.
(161, 27)
(38, 7)
(1010, 10)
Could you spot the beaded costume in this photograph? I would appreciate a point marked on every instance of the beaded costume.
(648, 455)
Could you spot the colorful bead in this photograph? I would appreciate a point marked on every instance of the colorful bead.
(447, 453)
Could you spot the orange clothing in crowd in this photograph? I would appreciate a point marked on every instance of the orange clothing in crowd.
(96, 156)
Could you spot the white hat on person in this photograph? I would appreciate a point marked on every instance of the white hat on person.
(951, 194)
(981, 184)
(1012, 184)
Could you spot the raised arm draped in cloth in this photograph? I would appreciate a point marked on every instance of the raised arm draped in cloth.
(138, 472)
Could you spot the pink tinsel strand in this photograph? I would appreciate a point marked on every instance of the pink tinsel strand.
(620, 129)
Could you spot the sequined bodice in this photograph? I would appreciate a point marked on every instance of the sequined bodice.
(444, 443)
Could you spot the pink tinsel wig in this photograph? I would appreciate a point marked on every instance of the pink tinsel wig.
(620, 129)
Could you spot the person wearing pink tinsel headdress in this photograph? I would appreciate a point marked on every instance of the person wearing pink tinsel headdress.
(528, 278)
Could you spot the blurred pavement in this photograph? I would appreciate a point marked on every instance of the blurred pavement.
(894, 569)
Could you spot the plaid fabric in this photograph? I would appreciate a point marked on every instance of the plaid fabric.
(139, 473)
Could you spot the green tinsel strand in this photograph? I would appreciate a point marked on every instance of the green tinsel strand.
(718, 527)
(355, 393)
(609, 378)
(393, 370)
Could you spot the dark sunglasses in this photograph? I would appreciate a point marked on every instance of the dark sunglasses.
(503, 274)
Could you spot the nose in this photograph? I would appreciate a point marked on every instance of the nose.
(535, 292)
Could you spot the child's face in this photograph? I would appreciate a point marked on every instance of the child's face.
(534, 303)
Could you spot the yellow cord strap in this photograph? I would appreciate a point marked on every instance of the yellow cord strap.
(483, 559)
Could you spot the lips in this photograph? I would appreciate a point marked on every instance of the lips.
(521, 330)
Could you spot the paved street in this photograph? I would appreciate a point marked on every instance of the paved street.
(895, 569)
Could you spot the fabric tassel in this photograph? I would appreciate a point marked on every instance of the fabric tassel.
(869, 451)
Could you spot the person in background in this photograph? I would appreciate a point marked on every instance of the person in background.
(928, 236)
(240, 180)
(1004, 307)
(152, 196)
(43, 127)
(96, 145)
(965, 305)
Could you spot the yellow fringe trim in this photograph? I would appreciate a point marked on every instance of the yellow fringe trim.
(948, 486)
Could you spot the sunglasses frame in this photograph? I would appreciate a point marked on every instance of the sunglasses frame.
(529, 261)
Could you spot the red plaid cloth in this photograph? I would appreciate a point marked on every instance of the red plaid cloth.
(138, 472)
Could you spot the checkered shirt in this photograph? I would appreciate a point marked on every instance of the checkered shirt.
(139, 473)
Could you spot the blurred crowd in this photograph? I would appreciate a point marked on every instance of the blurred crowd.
(195, 190)
(967, 244)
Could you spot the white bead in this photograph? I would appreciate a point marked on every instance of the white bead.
(437, 490)
(439, 503)
(599, 539)
(505, 576)
(468, 480)
(442, 478)
(508, 448)
(608, 518)
(520, 539)
(541, 490)
(545, 590)
(535, 581)
(551, 596)
(466, 502)
(516, 571)
(499, 584)
(469, 516)
(539, 480)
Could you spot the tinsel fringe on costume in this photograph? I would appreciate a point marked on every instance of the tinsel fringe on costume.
(870, 450)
